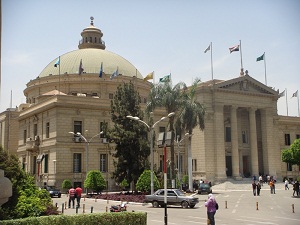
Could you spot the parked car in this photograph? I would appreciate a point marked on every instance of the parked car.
(53, 191)
(174, 197)
(205, 188)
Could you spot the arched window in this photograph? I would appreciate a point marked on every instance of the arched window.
(91, 40)
(95, 40)
(85, 39)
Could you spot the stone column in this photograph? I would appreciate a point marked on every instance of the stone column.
(234, 143)
(253, 142)
(219, 143)
(271, 148)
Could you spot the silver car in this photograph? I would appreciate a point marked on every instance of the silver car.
(174, 197)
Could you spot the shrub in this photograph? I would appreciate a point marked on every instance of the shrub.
(144, 182)
(95, 181)
(66, 184)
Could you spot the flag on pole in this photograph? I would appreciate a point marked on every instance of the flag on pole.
(260, 58)
(234, 49)
(295, 94)
(207, 49)
(115, 74)
(101, 70)
(149, 76)
(80, 68)
(57, 62)
(282, 94)
(166, 78)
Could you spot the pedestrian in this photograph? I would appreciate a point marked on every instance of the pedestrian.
(296, 188)
(254, 188)
(211, 209)
(72, 193)
(78, 191)
(271, 186)
(258, 187)
(260, 179)
(286, 184)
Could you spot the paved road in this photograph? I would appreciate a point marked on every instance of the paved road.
(242, 207)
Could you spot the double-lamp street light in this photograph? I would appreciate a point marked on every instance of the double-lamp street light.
(78, 134)
(150, 129)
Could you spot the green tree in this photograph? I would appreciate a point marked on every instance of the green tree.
(144, 182)
(130, 137)
(27, 199)
(95, 181)
(171, 98)
(292, 155)
(191, 115)
(66, 184)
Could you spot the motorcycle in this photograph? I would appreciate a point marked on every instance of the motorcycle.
(119, 208)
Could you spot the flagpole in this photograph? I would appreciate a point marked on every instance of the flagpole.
(265, 68)
(59, 76)
(287, 109)
(298, 103)
(211, 62)
(241, 54)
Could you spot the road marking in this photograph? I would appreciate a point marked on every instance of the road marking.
(286, 218)
(260, 222)
(234, 211)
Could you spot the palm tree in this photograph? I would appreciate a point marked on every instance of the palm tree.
(192, 114)
(164, 95)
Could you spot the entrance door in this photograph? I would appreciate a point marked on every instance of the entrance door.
(228, 166)
(246, 166)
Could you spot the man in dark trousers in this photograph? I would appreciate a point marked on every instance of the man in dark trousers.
(72, 193)
(254, 188)
(78, 195)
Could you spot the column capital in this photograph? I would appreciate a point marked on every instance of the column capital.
(252, 109)
(234, 107)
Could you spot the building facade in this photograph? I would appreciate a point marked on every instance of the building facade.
(243, 136)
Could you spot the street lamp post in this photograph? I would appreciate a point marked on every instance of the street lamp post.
(150, 129)
(87, 149)
(178, 145)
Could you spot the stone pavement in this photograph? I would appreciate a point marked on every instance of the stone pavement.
(244, 185)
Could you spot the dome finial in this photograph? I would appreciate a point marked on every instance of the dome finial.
(92, 22)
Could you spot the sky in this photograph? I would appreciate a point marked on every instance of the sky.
(164, 36)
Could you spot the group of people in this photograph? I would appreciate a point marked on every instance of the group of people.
(256, 188)
(295, 187)
(75, 193)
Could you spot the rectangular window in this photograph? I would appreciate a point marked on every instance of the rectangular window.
(77, 127)
(102, 124)
(297, 136)
(23, 163)
(35, 129)
(244, 137)
(24, 136)
(287, 139)
(162, 129)
(34, 165)
(161, 163)
(289, 167)
(111, 96)
(47, 130)
(194, 165)
(103, 163)
(46, 163)
(227, 134)
(77, 163)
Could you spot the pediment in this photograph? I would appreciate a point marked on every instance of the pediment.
(246, 84)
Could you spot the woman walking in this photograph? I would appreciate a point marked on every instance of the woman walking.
(211, 209)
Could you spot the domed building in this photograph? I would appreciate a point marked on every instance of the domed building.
(243, 133)
(70, 95)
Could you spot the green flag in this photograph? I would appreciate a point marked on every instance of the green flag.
(165, 78)
(260, 58)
